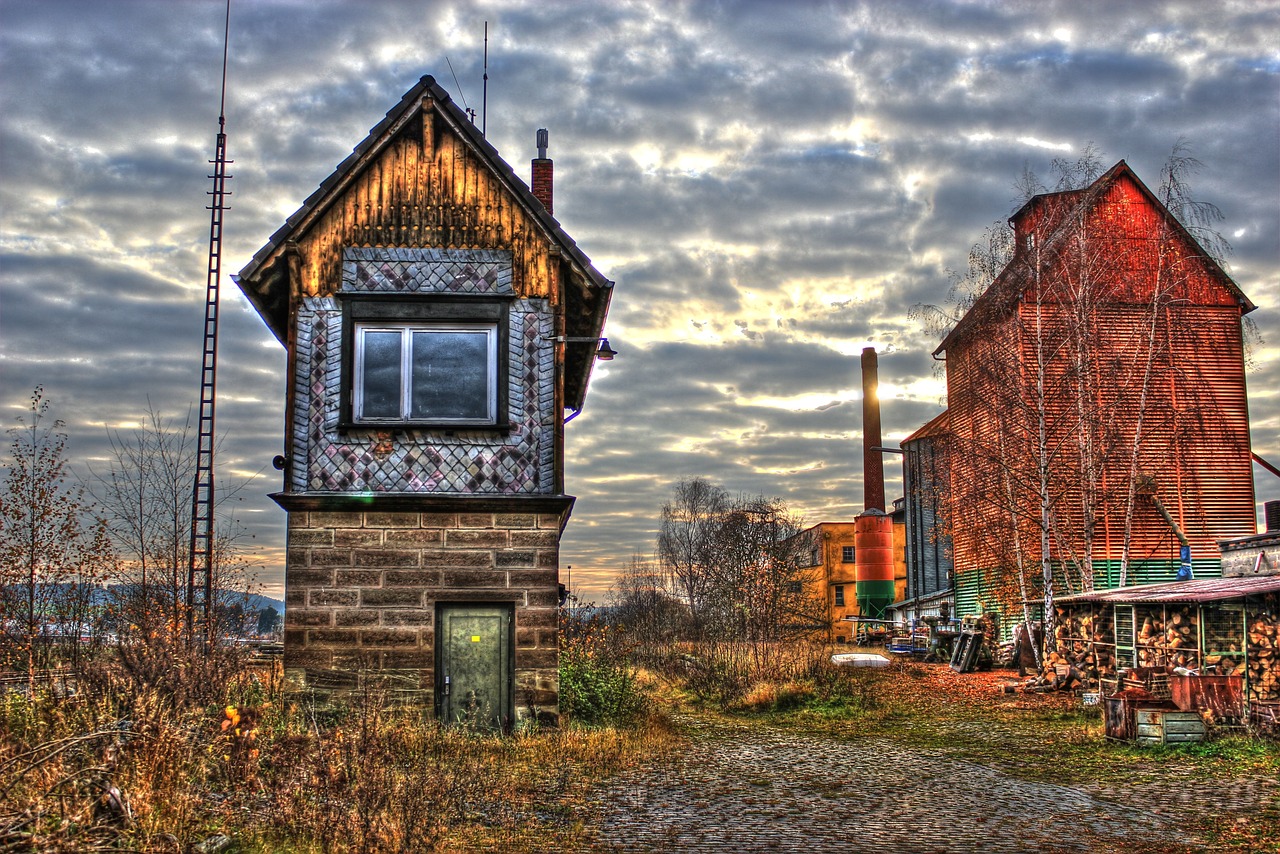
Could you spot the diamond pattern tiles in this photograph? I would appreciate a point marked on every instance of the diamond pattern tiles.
(444, 271)
(425, 461)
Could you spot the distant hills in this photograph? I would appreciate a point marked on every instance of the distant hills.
(251, 602)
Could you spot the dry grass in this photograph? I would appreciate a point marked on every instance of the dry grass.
(123, 768)
(123, 765)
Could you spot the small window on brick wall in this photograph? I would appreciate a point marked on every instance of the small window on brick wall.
(840, 595)
(432, 362)
(846, 554)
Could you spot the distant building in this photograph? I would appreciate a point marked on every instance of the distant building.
(1108, 357)
(830, 558)
(830, 564)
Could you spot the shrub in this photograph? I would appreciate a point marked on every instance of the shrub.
(597, 684)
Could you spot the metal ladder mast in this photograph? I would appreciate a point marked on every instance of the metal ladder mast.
(200, 574)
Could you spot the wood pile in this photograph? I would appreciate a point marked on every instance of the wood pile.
(1225, 650)
(1169, 639)
(1058, 674)
(1263, 666)
(1084, 640)
(1083, 651)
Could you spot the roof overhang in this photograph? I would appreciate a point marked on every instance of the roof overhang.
(1196, 590)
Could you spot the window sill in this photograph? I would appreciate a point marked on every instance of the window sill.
(374, 427)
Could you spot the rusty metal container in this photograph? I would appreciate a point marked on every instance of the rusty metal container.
(1222, 695)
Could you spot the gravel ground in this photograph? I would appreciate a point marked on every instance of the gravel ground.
(767, 789)
(760, 787)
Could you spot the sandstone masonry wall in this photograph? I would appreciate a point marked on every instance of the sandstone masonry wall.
(361, 590)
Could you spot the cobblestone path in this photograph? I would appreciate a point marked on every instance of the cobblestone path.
(758, 789)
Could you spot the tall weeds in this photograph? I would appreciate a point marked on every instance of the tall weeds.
(128, 761)
(597, 680)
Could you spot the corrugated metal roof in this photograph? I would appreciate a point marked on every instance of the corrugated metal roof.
(1199, 590)
(937, 426)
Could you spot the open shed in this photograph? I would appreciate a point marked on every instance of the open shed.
(1205, 643)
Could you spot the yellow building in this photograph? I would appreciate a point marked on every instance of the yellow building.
(899, 515)
(832, 563)
(831, 559)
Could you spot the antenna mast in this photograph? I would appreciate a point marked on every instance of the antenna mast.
(202, 493)
(484, 97)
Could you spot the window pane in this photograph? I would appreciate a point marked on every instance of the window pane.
(451, 371)
(380, 356)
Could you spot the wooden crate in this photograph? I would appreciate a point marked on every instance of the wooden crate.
(1120, 715)
(1163, 726)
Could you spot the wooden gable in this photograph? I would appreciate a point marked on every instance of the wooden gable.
(425, 177)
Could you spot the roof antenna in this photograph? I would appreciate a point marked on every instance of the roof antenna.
(484, 99)
(471, 114)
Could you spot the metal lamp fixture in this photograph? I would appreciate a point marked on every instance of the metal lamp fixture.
(604, 352)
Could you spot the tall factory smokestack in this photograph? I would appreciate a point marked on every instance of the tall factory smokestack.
(872, 461)
(873, 530)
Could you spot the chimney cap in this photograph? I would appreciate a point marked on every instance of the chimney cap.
(542, 143)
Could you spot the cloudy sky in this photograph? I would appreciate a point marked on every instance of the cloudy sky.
(772, 185)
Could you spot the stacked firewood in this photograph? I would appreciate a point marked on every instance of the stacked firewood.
(1169, 642)
(1224, 645)
(1264, 654)
(1084, 640)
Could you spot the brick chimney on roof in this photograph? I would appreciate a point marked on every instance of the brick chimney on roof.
(543, 172)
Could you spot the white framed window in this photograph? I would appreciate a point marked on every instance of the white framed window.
(414, 361)
(847, 554)
(426, 372)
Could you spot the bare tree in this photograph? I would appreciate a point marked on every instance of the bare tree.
(145, 491)
(642, 602)
(686, 542)
(765, 589)
(53, 552)
(740, 566)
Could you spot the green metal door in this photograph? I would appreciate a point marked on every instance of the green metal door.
(475, 665)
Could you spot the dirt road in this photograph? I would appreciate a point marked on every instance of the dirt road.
(764, 789)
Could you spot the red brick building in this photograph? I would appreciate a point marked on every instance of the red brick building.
(1097, 406)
